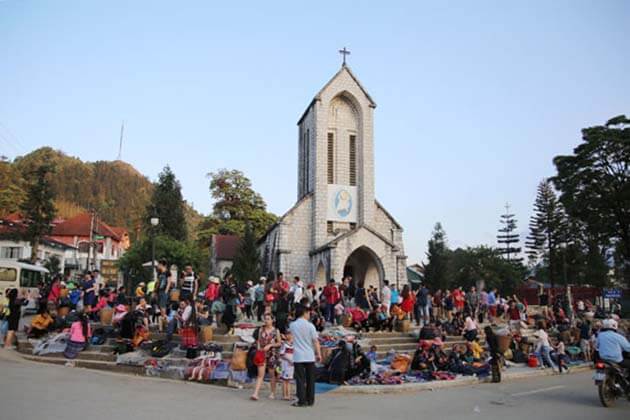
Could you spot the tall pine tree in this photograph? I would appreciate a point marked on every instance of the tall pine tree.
(247, 260)
(508, 236)
(167, 204)
(436, 270)
(548, 226)
(38, 209)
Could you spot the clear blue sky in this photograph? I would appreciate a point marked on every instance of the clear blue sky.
(474, 98)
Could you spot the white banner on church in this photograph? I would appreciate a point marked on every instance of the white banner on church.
(343, 203)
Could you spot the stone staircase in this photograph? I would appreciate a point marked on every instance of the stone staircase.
(402, 342)
(102, 357)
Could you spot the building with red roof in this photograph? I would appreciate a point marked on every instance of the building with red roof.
(223, 249)
(107, 242)
(13, 246)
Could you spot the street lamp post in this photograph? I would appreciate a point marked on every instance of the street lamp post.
(154, 222)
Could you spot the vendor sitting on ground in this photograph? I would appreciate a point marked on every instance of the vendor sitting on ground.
(101, 303)
(359, 319)
(140, 290)
(42, 323)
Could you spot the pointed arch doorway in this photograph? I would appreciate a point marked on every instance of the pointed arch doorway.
(364, 264)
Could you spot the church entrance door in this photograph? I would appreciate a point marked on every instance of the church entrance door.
(364, 264)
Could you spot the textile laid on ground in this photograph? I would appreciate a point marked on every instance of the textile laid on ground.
(51, 345)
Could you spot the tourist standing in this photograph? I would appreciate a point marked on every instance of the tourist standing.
(259, 298)
(331, 293)
(88, 286)
(267, 345)
(386, 297)
(306, 351)
(14, 306)
(361, 298)
(190, 284)
(408, 301)
(163, 285)
(422, 306)
(495, 353)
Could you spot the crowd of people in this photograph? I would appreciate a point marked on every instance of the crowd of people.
(290, 315)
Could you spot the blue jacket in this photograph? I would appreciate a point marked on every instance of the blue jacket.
(610, 345)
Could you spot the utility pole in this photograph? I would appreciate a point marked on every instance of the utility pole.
(87, 265)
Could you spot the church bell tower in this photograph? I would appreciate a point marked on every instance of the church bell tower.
(336, 157)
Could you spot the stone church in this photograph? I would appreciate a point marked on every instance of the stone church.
(337, 227)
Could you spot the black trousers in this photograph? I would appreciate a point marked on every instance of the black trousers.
(260, 310)
(305, 383)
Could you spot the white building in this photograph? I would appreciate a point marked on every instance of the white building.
(336, 228)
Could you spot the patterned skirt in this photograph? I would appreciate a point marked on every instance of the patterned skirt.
(73, 348)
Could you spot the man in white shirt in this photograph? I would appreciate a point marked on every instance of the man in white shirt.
(386, 297)
(306, 351)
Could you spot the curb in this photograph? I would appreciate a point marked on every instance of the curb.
(436, 385)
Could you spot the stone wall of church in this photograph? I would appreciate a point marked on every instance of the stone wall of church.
(384, 225)
(306, 158)
(289, 244)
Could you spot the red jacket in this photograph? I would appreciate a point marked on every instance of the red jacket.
(212, 292)
(331, 293)
(407, 303)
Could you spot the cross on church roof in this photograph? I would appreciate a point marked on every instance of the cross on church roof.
(344, 53)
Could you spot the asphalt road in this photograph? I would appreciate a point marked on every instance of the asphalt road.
(39, 391)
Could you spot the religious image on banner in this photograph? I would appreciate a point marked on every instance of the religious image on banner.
(342, 203)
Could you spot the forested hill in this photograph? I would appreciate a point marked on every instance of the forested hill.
(116, 189)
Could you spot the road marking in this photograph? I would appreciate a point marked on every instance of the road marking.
(537, 391)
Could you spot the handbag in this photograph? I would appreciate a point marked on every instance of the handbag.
(259, 358)
(239, 359)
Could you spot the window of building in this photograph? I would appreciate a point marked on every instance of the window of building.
(331, 158)
(329, 227)
(353, 226)
(353, 159)
(11, 252)
(84, 247)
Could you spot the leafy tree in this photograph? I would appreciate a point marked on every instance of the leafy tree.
(53, 264)
(175, 252)
(167, 204)
(507, 237)
(470, 265)
(547, 230)
(11, 192)
(38, 209)
(247, 260)
(594, 185)
(436, 270)
(236, 205)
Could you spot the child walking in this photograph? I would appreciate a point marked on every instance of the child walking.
(286, 364)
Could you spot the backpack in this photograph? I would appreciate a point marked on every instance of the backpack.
(160, 349)
(98, 337)
(122, 347)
